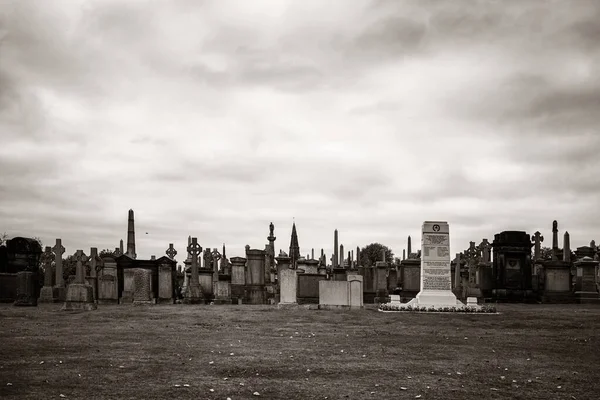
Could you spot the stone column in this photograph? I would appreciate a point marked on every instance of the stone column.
(131, 236)
(335, 249)
(567, 248)
(341, 260)
(555, 240)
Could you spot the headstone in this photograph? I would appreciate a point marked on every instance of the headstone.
(142, 286)
(193, 294)
(287, 280)
(165, 283)
(255, 277)
(108, 282)
(47, 293)
(92, 278)
(436, 284)
(26, 285)
(59, 285)
(537, 239)
(80, 296)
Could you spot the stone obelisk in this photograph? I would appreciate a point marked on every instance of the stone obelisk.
(335, 249)
(131, 236)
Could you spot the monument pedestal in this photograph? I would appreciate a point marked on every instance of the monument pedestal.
(193, 294)
(49, 294)
(435, 298)
(79, 297)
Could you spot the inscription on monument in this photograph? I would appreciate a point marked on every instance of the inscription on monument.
(436, 261)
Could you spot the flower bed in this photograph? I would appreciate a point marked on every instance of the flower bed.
(466, 309)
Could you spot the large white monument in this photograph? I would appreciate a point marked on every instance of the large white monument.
(436, 282)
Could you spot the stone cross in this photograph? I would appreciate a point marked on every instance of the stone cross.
(81, 258)
(171, 252)
(194, 249)
(486, 249)
(58, 250)
(216, 256)
(472, 253)
(457, 281)
(93, 261)
(537, 240)
(46, 259)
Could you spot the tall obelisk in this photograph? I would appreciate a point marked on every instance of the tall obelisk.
(131, 236)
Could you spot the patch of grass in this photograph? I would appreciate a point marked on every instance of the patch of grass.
(128, 352)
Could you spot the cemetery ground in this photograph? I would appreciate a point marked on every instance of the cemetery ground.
(242, 352)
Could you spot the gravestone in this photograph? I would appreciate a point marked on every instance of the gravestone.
(59, 285)
(128, 286)
(586, 287)
(255, 277)
(92, 278)
(512, 271)
(238, 278)
(308, 288)
(80, 296)
(485, 277)
(142, 286)
(340, 294)
(436, 282)
(108, 288)
(26, 288)
(47, 293)
(165, 283)
(287, 281)
(410, 278)
(193, 294)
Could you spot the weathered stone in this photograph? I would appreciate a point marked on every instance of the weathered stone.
(194, 293)
(80, 296)
(142, 286)
(26, 285)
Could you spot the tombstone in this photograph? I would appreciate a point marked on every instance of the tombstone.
(484, 276)
(340, 294)
(555, 283)
(537, 239)
(128, 286)
(287, 281)
(92, 278)
(80, 295)
(59, 285)
(255, 277)
(410, 278)
(166, 281)
(586, 286)
(26, 289)
(238, 278)
(308, 288)
(47, 293)
(436, 282)
(108, 285)
(142, 286)
(193, 294)
(380, 283)
(512, 267)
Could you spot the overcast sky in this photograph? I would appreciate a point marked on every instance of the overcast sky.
(214, 118)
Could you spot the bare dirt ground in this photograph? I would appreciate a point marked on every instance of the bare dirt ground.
(155, 352)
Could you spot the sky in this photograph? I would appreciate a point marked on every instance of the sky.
(215, 118)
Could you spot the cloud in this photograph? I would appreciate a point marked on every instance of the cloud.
(215, 118)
